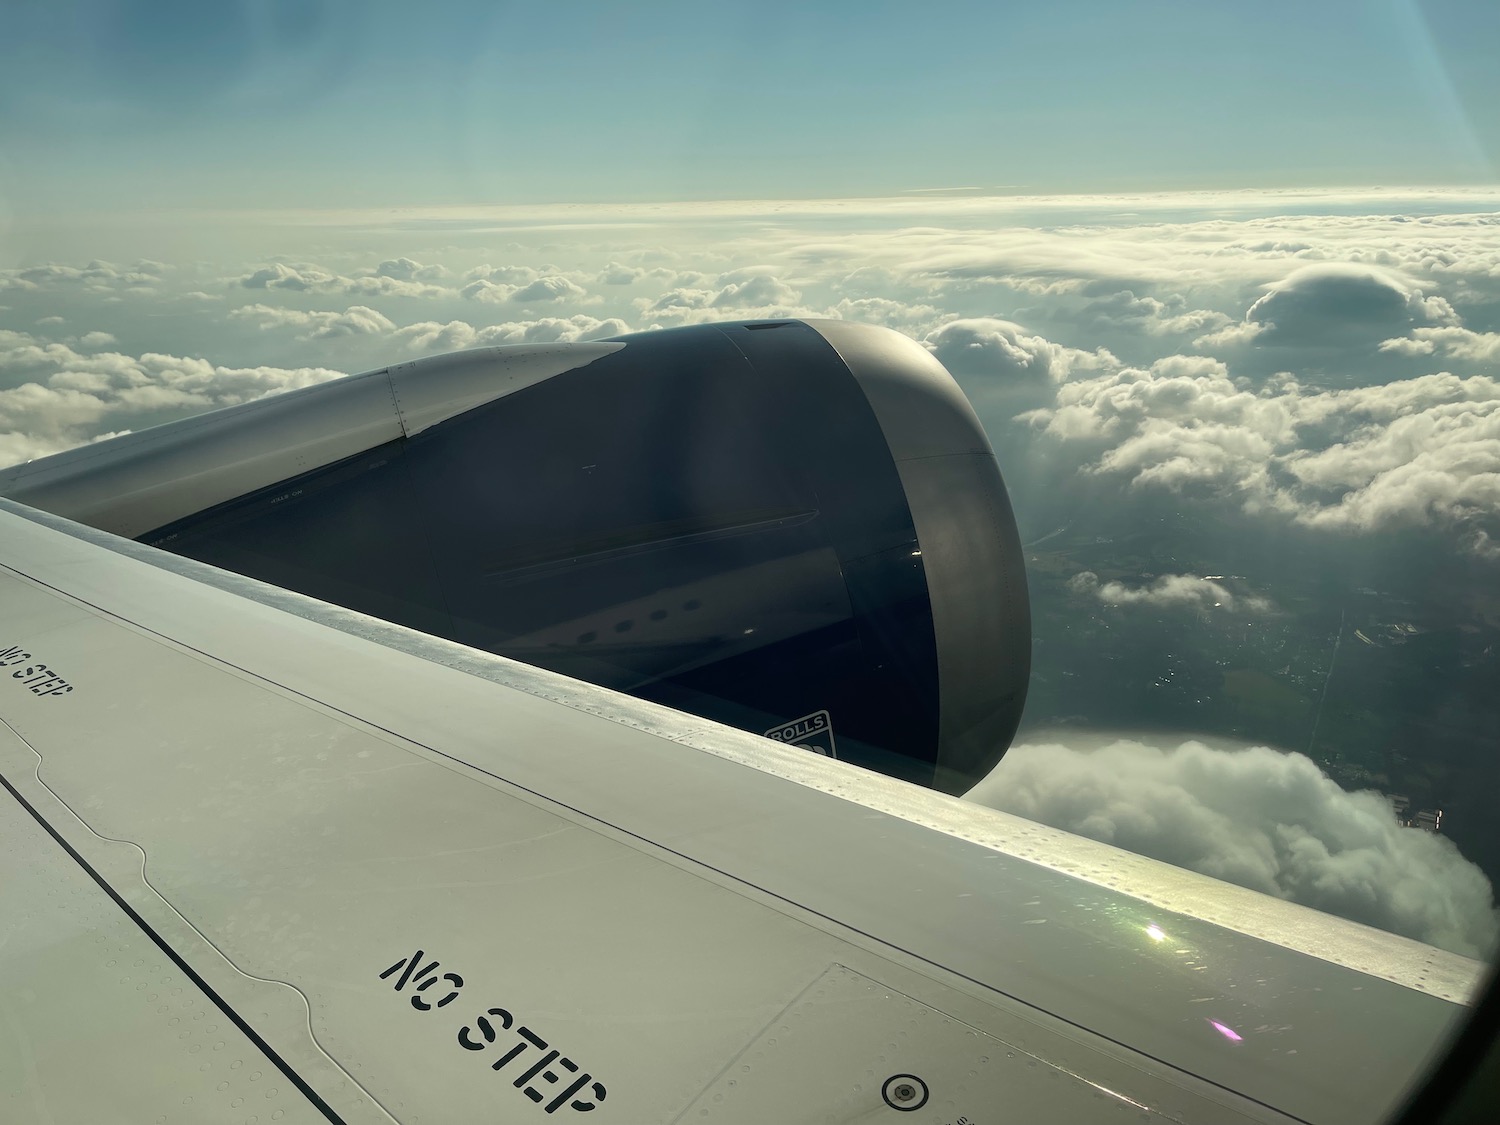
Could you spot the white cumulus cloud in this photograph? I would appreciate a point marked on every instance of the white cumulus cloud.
(430, 337)
(1452, 341)
(404, 269)
(1260, 818)
(356, 320)
(1153, 315)
(753, 288)
(97, 276)
(279, 275)
(750, 293)
(394, 278)
(987, 346)
(1410, 453)
(1334, 303)
(1167, 592)
(553, 288)
(70, 397)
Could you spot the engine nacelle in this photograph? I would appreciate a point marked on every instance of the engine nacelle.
(797, 528)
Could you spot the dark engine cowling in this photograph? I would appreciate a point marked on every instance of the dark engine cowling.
(796, 528)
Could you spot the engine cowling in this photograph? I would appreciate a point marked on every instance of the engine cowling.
(794, 527)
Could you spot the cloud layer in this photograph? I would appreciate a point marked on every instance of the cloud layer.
(1262, 819)
(1003, 352)
(1412, 453)
(70, 396)
(1331, 368)
(1170, 591)
(1339, 304)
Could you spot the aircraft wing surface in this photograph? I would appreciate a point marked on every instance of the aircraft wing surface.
(269, 860)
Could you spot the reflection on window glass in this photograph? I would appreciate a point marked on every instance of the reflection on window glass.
(1221, 286)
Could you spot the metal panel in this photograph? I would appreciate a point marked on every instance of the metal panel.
(709, 518)
(97, 1023)
(851, 1049)
(140, 481)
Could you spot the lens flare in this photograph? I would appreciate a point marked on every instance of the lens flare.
(1227, 1032)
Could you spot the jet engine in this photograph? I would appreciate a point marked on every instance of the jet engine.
(797, 528)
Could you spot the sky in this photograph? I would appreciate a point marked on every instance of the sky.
(129, 104)
(1222, 282)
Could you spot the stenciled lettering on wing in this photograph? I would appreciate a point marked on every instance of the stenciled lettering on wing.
(430, 988)
(36, 678)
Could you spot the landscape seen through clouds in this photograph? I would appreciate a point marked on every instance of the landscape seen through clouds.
(1252, 439)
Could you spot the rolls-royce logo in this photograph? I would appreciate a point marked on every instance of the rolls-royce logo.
(811, 732)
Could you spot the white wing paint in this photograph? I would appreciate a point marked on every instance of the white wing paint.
(258, 830)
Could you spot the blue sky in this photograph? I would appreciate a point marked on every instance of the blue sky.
(119, 104)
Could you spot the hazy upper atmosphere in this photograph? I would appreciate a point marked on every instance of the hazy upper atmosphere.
(1250, 423)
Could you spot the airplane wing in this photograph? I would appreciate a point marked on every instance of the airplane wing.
(265, 859)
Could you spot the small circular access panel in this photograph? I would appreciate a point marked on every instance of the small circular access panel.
(904, 1092)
